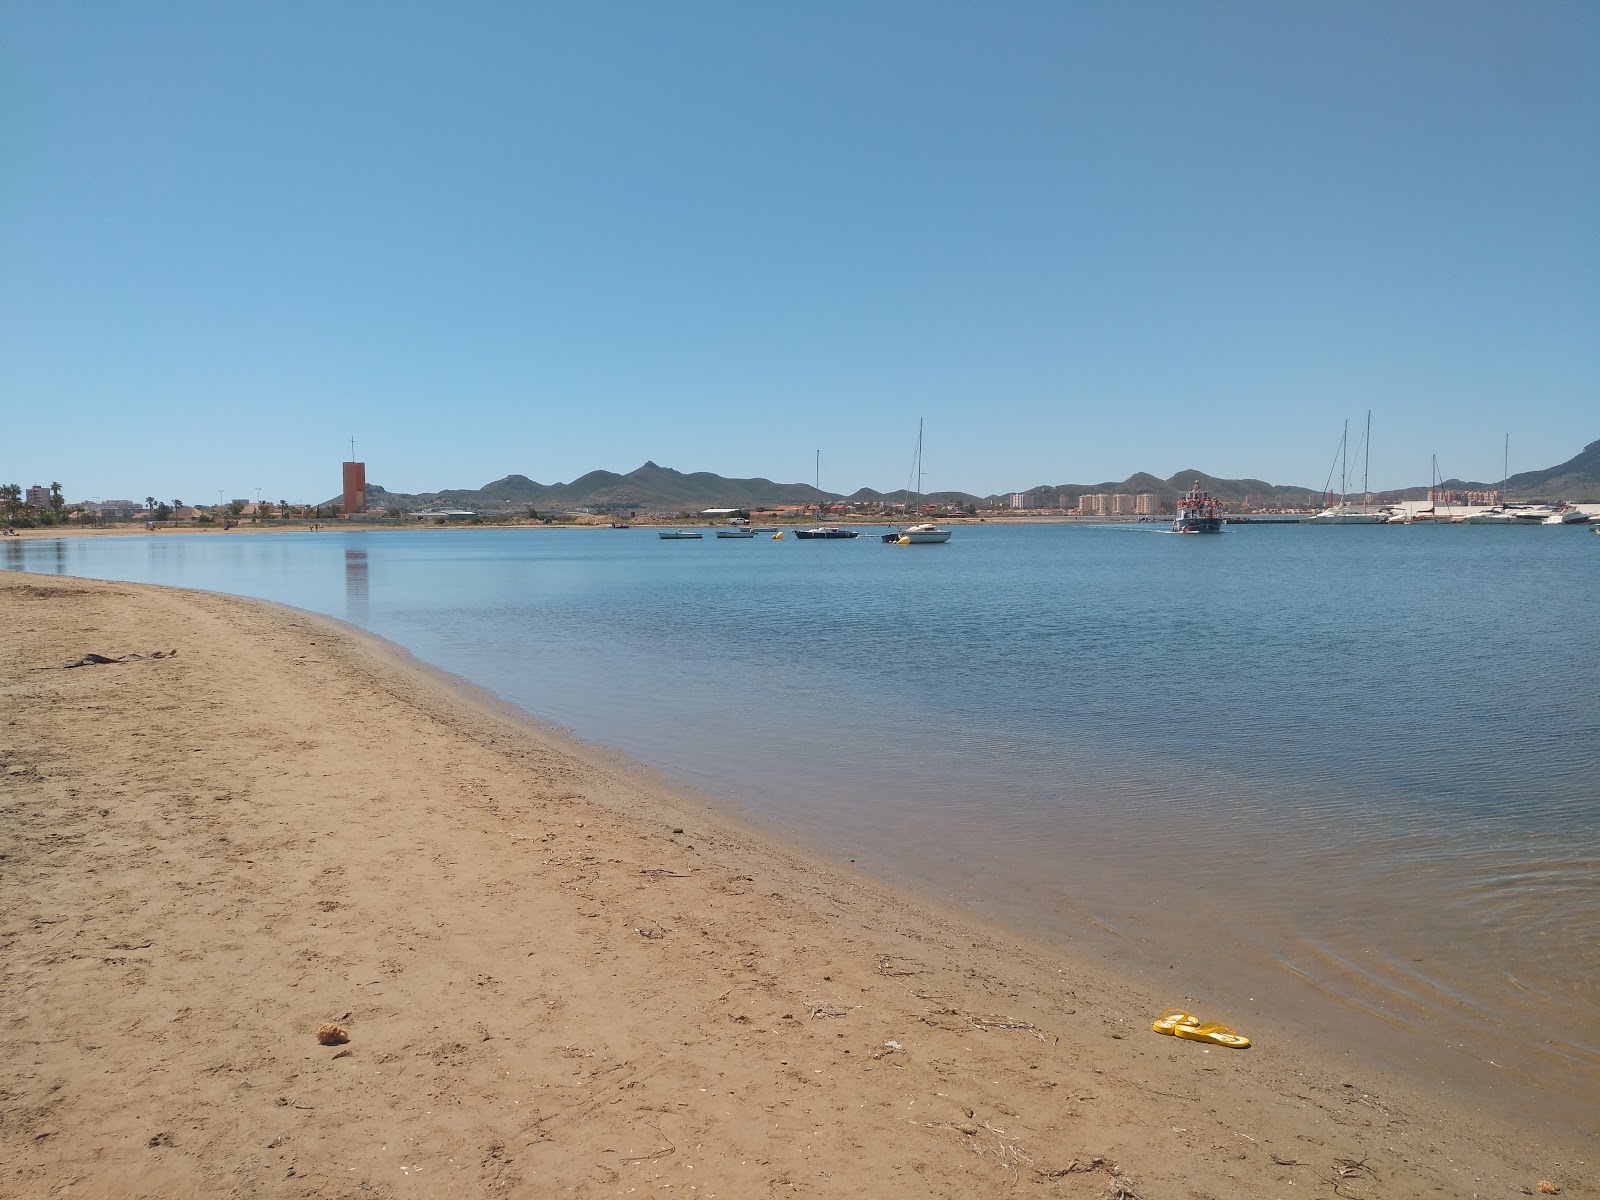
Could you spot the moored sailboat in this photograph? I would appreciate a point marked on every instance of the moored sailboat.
(925, 534)
(823, 532)
(1344, 512)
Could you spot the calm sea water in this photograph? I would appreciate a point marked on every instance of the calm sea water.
(1345, 779)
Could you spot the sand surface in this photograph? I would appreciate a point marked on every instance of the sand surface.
(557, 975)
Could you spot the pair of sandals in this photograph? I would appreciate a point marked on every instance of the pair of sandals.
(1181, 1024)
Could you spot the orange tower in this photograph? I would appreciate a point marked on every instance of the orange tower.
(355, 488)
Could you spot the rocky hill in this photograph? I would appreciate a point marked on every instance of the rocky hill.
(1257, 492)
(649, 488)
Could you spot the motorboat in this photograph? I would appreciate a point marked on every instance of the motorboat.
(736, 532)
(674, 535)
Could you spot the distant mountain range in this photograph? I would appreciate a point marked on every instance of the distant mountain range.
(649, 487)
(661, 489)
(1577, 479)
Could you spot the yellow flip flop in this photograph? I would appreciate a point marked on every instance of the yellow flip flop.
(1221, 1035)
(1169, 1021)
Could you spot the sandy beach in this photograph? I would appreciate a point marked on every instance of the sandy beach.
(557, 974)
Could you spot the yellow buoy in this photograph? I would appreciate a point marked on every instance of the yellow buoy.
(905, 541)
(778, 537)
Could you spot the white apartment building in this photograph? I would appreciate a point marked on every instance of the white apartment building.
(1146, 504)
(1093, 504)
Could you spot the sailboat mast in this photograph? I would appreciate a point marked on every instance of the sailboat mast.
(1505, 470)
(1344, 446)
(1366, 460)
(919, 456)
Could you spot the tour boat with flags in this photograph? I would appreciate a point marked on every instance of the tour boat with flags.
(1198, 512)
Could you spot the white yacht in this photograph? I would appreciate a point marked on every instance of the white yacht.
(1356, 514)
(1552, 514)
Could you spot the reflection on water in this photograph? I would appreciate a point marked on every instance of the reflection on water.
(1341, 778)
(355, 586)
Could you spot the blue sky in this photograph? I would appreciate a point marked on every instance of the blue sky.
(1080, 240)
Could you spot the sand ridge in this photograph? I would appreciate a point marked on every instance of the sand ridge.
(558, 976)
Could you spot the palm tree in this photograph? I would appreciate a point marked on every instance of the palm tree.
(55, 498)
(150, 503)
(11, 497)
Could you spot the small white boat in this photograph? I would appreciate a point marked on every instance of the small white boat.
(739, 532)
(673, 535)
(920, 535)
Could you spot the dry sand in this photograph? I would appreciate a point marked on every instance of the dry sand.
(557, 975)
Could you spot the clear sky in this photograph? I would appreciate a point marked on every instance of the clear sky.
(1079, 239)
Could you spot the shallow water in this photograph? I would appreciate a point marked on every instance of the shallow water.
(1342, 777)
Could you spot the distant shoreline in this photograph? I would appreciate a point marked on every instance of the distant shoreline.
(343, 526)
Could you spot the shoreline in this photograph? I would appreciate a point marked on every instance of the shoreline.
(335, 525)
(444, 827)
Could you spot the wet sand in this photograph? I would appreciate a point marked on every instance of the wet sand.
(557, 974)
